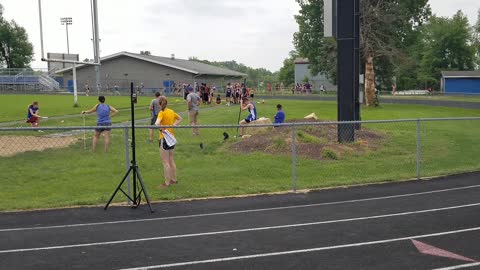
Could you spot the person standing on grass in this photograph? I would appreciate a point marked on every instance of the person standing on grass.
(245, 104)
(193, 100)
(228, 94)
(167, 117)
(87, 89)
(33, 117)
(280, 116)
(104, 114)
(154, 109)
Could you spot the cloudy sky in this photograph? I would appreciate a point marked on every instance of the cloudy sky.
(257, 33)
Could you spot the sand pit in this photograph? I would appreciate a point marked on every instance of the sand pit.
(13, 145)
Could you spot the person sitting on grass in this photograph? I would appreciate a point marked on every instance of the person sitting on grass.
(245, 104)
(280, 116)
(104, 114)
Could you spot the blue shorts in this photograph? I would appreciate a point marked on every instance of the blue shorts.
(103, 125)
(249, 119)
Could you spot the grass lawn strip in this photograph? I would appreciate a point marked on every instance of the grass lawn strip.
(72, 176)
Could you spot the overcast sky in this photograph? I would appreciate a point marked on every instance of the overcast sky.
(257, 33)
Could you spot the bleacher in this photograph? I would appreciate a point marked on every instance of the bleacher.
(27, 80)
(5, 79)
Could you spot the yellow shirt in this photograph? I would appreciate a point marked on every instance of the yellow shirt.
(167, 118)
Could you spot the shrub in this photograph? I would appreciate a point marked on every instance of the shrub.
(329, 154)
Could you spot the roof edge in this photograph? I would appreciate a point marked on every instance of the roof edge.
(136, 56)
(124, 53)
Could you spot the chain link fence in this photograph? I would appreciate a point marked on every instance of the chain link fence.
(219, 162)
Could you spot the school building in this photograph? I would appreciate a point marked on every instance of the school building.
(302, 73)
(152, 73)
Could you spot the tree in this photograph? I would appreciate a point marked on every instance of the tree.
(448, 44)
(287, 72)
(255, 75)
(310, 41)
(388, 28)
(15, 49)
(476, 37)
(145, 53)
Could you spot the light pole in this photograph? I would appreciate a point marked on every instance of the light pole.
(66, 21)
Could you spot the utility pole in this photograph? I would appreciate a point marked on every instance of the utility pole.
(96, 42)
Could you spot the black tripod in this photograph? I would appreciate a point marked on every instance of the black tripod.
(136, 198)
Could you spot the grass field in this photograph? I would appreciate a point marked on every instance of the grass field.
(472, 98)
(61, 108)
(74, 176)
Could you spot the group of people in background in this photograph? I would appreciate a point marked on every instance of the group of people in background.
(306, 88)
(302, 88)
(164, 117)
(235, 92)
(208, 92)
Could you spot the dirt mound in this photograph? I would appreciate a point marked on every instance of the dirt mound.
(13, 145)
(313, 142)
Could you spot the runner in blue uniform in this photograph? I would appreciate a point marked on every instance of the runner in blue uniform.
(33, 117)
(104, 114)
(245, 104)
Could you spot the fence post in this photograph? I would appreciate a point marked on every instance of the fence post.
(418, 151)
(127, 161)
(294, 160)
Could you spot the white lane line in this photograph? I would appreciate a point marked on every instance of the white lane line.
(235, 212)
(303, 250)
(237, 231)
(468, 265)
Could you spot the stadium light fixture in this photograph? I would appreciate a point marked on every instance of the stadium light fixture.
(67, 21)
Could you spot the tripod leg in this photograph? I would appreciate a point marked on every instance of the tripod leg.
(140, 180)
(118, 188)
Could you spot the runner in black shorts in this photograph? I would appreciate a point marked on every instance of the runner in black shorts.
(228, 94)
(163, 144)
(237, 96)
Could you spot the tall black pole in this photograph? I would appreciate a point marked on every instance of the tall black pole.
(347, 71)
(134, 160)
(133, 166)
(356, 85)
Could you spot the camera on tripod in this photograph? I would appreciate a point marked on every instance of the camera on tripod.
(137, 181)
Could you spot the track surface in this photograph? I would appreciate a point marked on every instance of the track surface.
(429, 102)
(431, 224)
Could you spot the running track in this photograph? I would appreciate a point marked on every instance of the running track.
(428, 224)
(429, 102)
